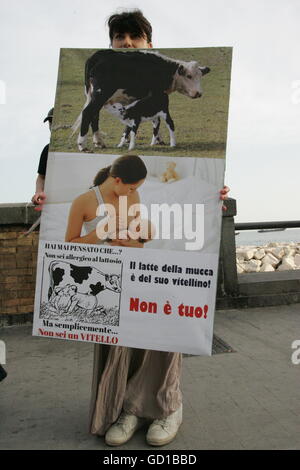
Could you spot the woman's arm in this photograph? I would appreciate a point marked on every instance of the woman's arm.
(39, 197)
(75, 222)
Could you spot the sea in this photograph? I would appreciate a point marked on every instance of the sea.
(253, 237)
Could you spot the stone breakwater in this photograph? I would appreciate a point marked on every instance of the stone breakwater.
(275, 256)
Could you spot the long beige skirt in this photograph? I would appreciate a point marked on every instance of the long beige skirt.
(142, 382)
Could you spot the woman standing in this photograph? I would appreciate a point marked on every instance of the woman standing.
(129, 385)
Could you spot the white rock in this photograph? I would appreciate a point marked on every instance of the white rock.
(297, 260)
(247, 254)
(240, 269)
(284, 267)
(270, 259)
(278, 252)
(266, 267)
(259, 254)
(287, 264)
(289, 251)
(252, 266)
(288, 259)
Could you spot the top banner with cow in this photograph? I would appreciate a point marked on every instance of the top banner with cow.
(130, 234)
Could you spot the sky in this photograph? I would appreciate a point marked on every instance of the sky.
(263, 146)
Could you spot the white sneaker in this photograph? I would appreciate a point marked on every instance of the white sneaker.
(123, 429)
(163, 431)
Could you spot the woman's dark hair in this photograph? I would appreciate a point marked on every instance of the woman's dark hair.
(132, 22)
(130, 168)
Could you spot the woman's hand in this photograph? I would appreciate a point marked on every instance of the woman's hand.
(39, 200)
(224, 195)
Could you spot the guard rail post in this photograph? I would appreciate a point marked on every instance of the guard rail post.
(227, 275)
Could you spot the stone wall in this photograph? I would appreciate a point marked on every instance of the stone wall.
(18, 257)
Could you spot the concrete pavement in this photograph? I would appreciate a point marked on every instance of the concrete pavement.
(249, 399)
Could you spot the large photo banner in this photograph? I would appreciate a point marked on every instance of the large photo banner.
(130, 235)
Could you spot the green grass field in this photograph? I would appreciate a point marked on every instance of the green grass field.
(200, 124)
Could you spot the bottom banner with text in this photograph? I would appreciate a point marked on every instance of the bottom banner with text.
(152, 299)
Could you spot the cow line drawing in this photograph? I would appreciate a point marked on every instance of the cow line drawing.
(125, 77)
(66, 298)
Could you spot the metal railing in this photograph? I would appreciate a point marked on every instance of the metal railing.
(267, 225)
